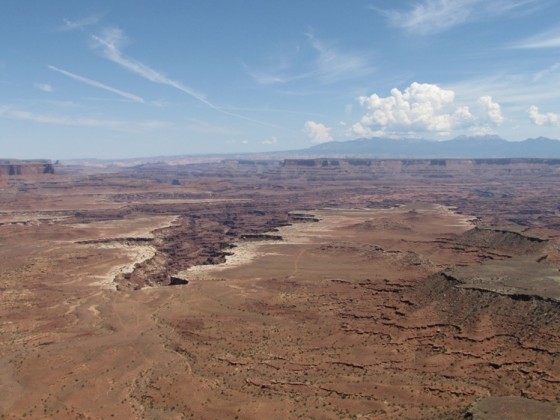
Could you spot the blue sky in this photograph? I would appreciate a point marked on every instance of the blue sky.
(114, 79)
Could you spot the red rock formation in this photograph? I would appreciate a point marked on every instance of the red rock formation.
(25, 167)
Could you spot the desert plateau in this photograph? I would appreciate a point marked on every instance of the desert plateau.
(297, 288)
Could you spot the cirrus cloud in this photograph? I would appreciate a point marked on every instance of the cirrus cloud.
(547, 39)
(80, 121)
(45, 87)
(80, 24)
(110, 43)
(97, 84)
(428, 17)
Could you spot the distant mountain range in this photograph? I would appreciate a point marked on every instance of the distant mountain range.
(480, 147)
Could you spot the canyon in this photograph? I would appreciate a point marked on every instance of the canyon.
(296, 288)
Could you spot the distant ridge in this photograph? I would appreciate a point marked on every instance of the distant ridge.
(463, 147)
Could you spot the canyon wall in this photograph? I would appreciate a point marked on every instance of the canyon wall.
(26, 167)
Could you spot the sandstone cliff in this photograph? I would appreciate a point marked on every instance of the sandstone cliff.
(25, 167)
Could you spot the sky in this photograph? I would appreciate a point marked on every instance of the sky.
(122, 79)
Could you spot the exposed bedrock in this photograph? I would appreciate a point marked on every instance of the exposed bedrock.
(498, 339)
(512, 408)
(32, 167)
(513, 242)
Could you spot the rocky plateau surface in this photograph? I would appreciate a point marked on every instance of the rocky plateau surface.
(377, 289)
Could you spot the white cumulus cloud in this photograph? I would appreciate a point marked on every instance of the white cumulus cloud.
(550, 118)
(423, 107)
(317, 132)
(360, 130)
(491, 110)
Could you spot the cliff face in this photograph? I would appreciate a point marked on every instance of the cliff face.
(25, 167)
(432, 168)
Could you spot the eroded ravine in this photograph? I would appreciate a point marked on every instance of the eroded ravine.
(362, 326)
